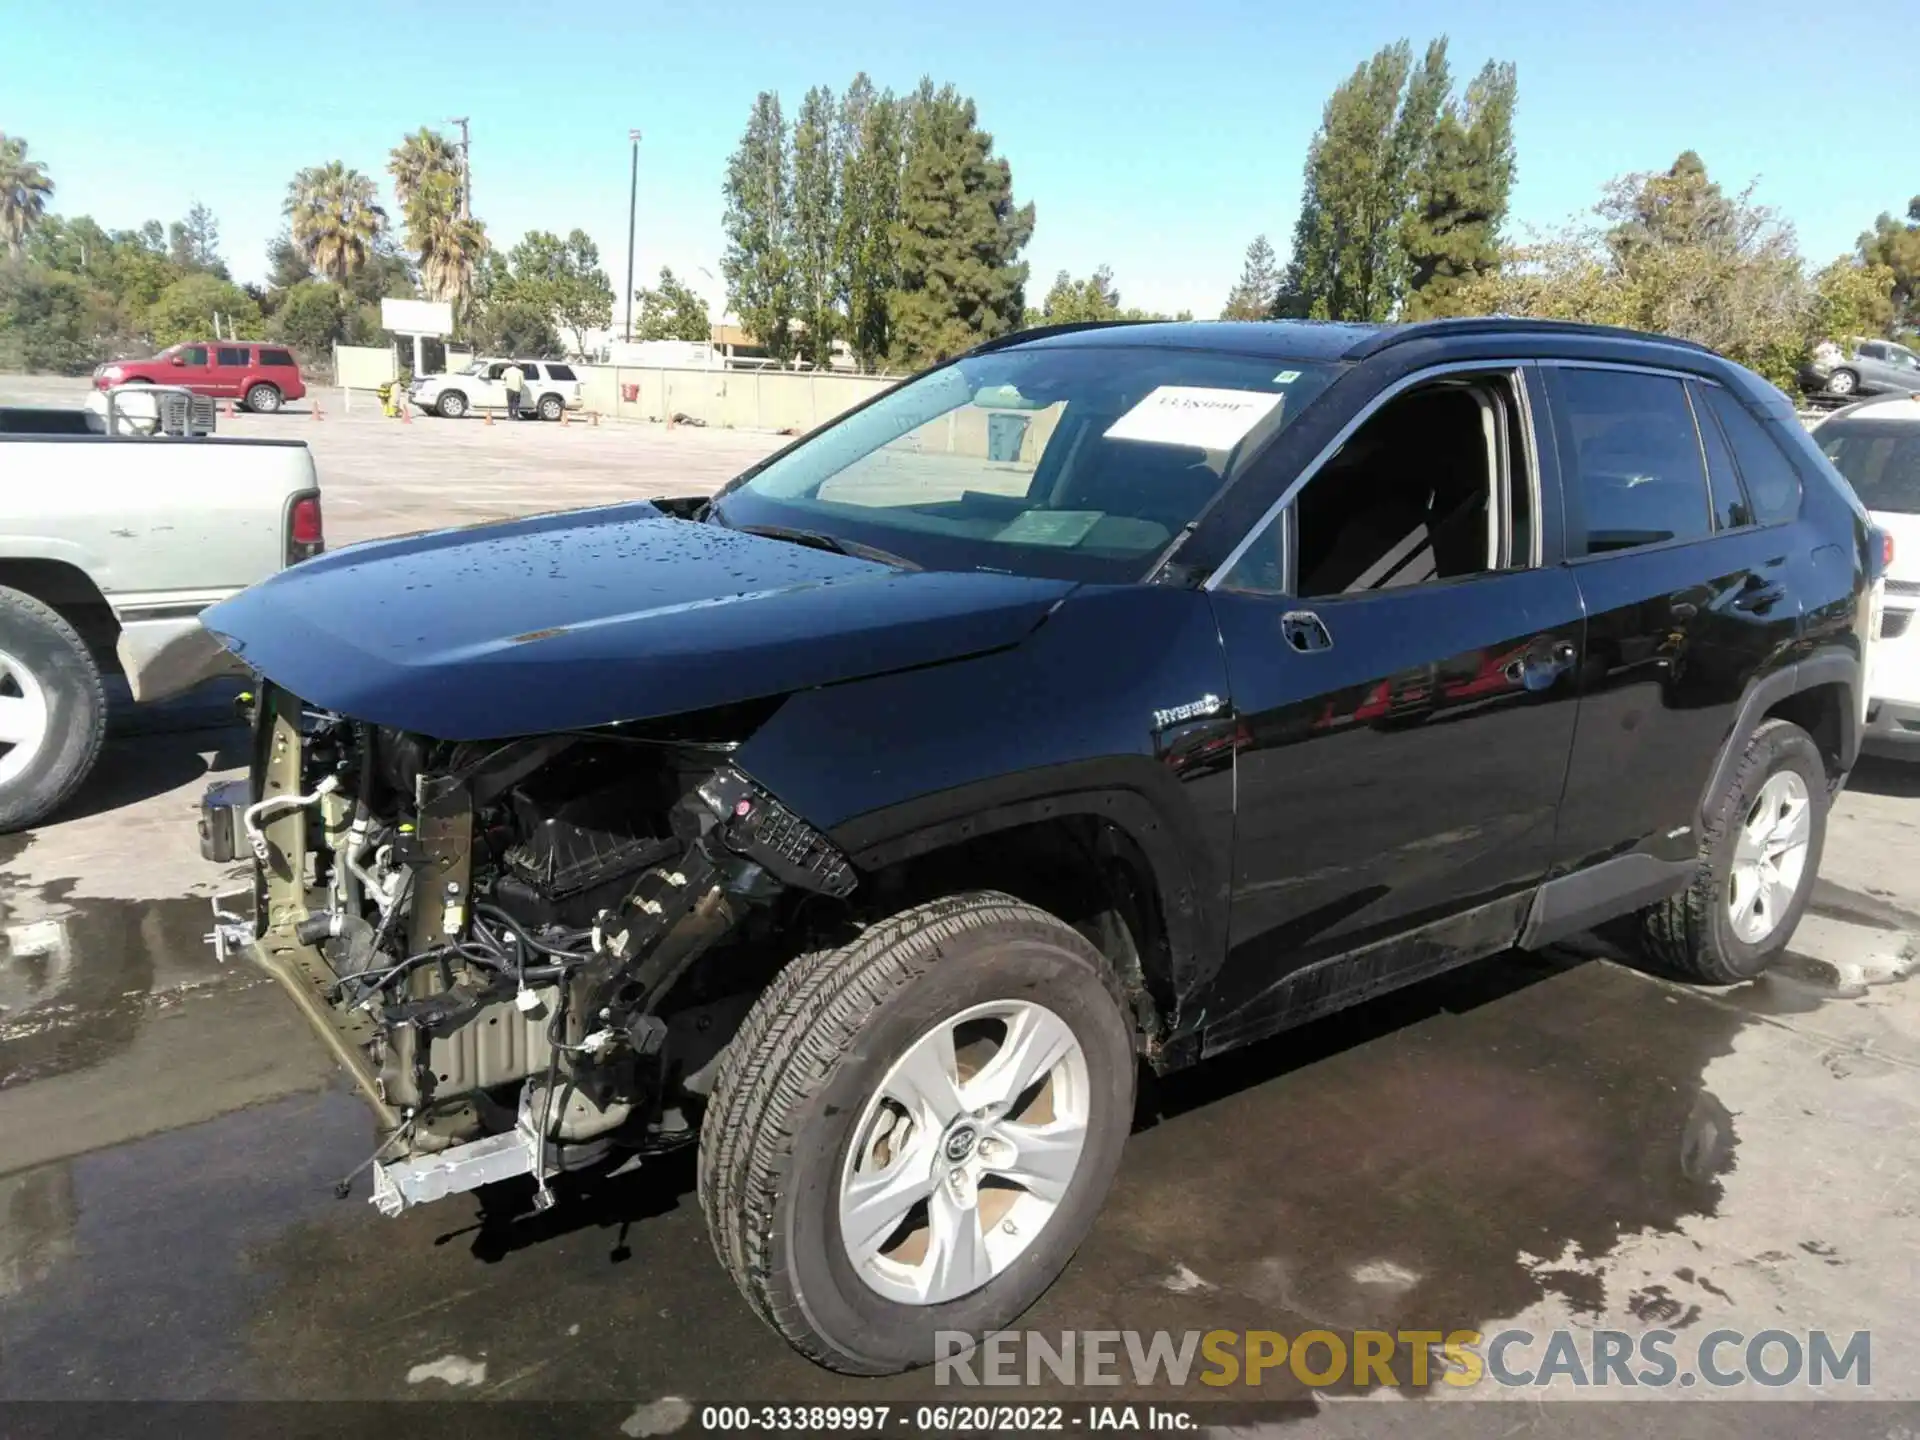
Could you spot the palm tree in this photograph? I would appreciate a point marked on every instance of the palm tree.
(450, 248)
(336, 218)
(425, 153)
(24, 191)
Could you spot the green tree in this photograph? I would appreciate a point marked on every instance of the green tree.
(420, 156)
(1254, 293)
(671, 311)
(336, 218)
(1347, 261)
(448, 246)
(758, 264)
(286, 266)
(312, 318)
(513, 325)
(193, 244)
(958, 236)
(190, 309)
(52, 323)
(1073, 301)
(816, 219)
(1676, 255)
(562, 279)
(1451, 233)
(25, 188)
(1851, 298)
(869, 141)
(1895, 245)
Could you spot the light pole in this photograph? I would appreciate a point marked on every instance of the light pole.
(633, 209)
(466, 170)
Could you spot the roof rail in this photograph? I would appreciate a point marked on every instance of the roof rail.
(1507, 324)
(1042, 332)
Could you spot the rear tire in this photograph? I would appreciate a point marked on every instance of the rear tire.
(551, 407)
(53, 711)
(1842, 382)
(1722, 929)
(804, 1122)
(451, 404)
(263, 399)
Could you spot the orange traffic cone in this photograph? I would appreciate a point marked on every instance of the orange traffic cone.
(596, 419)
(318, 414)
(486, 417)
(565, 418)
(229, 411)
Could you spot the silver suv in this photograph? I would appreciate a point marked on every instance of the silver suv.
(552, 389)
(1872, 367)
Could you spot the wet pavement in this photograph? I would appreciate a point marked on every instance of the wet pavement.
(1535, 1140)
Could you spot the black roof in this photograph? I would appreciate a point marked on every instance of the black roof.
(1300, 339)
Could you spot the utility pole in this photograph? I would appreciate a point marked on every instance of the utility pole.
(633, 209)
(466, 169)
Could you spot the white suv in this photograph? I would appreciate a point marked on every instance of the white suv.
(1876, 445)
(552, 388)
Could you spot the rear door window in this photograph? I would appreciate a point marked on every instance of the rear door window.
(1627, 438)
(232, 355)
(1772, 483)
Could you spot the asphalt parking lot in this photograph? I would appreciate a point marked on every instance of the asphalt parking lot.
(1533, 1142)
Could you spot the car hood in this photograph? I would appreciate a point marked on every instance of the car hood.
(558, 622)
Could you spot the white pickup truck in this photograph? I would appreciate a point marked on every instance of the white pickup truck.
(112, 541)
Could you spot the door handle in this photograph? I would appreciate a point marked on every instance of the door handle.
(1544, 664)
(1305, 631)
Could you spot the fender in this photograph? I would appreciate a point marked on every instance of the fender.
(1191, 894)
(1829, 665)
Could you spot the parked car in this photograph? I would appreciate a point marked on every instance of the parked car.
(112, 541)
(260, 377)
(1876, 445)
(552, 388)
(869, 823)
(1869, 367)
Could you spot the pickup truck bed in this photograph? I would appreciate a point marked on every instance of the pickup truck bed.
(110, 547)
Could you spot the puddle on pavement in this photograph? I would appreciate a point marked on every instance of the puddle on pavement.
(127, 1273)
(78, 978)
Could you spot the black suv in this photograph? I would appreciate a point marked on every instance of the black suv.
(1106, 695)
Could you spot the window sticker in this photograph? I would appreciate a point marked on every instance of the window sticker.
(1286, 377)
(1194, 415)
(1050, 527)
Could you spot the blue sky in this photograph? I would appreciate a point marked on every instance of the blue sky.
(1155, 138)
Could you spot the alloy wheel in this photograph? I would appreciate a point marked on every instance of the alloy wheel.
(1770, 856)
(964, 1152)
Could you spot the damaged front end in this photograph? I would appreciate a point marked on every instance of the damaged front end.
(498, 938)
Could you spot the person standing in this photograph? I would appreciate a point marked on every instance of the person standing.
(516, 381)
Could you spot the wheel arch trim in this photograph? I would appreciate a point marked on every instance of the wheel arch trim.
(1828, 666)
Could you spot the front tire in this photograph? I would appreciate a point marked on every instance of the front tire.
(53, 711)
(263, 399)
(967, 1064)
(1842, 382)
(1761, 854)
(451, 405)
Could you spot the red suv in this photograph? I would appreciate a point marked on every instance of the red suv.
(260, 377)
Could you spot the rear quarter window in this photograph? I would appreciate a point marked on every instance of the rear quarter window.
(560, 372)
(1629, 440)
(1772, 483)
(276, 357)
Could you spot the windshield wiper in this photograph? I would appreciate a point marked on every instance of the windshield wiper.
(820, 540)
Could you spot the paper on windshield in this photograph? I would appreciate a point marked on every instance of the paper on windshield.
(1194, 415)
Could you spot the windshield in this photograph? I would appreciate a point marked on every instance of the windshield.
(1880, 458)
(1071, 462)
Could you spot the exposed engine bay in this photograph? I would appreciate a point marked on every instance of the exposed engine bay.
(499, 938)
